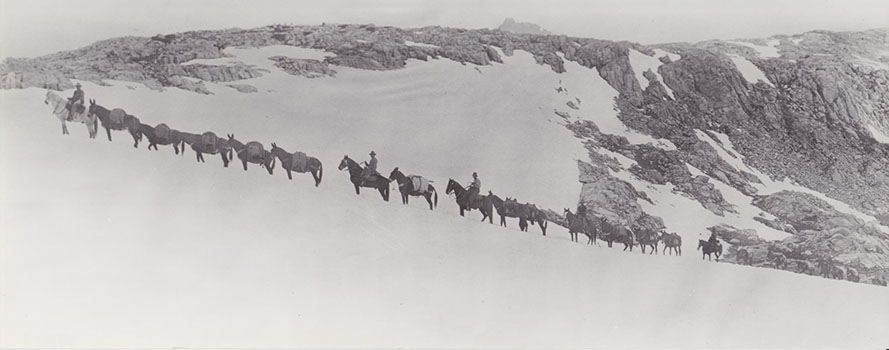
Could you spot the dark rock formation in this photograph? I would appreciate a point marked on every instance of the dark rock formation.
(303, 67)
(510, 25)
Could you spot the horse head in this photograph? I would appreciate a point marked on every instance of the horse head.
(345, 163)
(395, 174)
(452, 186)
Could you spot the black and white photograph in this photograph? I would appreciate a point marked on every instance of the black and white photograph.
(385, 174)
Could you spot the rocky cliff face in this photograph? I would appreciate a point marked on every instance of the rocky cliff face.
(510, 25)
(809, 108)
(825, 242)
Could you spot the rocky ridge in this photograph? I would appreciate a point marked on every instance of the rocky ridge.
(816, 121)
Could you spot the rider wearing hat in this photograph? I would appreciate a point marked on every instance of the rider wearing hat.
(75, 102)
(370, 168)
(473, 190)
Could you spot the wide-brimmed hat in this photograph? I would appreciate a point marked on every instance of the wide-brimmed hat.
(78, 85)
(372, 153)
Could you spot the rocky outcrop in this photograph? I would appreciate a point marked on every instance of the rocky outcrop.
(825, 241)
(510, 25)
(303, 67)
(213, 73)
(244, 88)
(613, 199)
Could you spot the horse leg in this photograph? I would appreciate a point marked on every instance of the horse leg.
(429, 200)
(244, 160)
(289, 176)
(357, 189)
(108, 130)
(199, 156)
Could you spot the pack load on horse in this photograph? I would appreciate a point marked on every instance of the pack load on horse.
(419, 183)
(252, 152)
(298, 162)
(62, 112)
(162, 135)
(672, 241)
(207, 143)
(117, 119)
(649, 238)
(414, 185)
(356, 176)
(162, 132)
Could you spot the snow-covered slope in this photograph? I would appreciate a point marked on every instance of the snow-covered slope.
(103, 245)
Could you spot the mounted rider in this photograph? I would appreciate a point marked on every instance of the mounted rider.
(370, 168)
(713, 241)
(76, 102)
(472, 190)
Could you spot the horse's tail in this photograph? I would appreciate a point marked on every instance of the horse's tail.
(320, 171)
(434, 195)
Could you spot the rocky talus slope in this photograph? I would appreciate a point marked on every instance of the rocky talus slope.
(816, 119)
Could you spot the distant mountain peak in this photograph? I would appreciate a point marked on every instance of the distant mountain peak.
(510, 25)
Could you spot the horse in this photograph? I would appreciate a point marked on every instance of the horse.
(377, 181)
(291, 163)
(617, 233)
(514, 208)
(157, 136)
(709, 248)
(482, 203)
(207, 143)
(406, 187)
(252, 152)
(499, 205)
(576, 224)
(649, 238)
(536, 215)
(116, 119)
(673, 241)
(60, 110)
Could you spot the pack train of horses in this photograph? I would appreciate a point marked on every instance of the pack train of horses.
(594, 228)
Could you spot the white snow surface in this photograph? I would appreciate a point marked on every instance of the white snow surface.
(751, 72)
(877, 134)
(103, 245)
(642, 62)
(411, 43)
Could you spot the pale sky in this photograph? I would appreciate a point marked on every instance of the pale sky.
(38, 27)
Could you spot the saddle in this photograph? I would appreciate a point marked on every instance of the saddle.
(254, 151)
(298, 162)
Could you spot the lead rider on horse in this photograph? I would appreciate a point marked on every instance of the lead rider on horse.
(75, 102)
(370, 168)
(473, 190)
